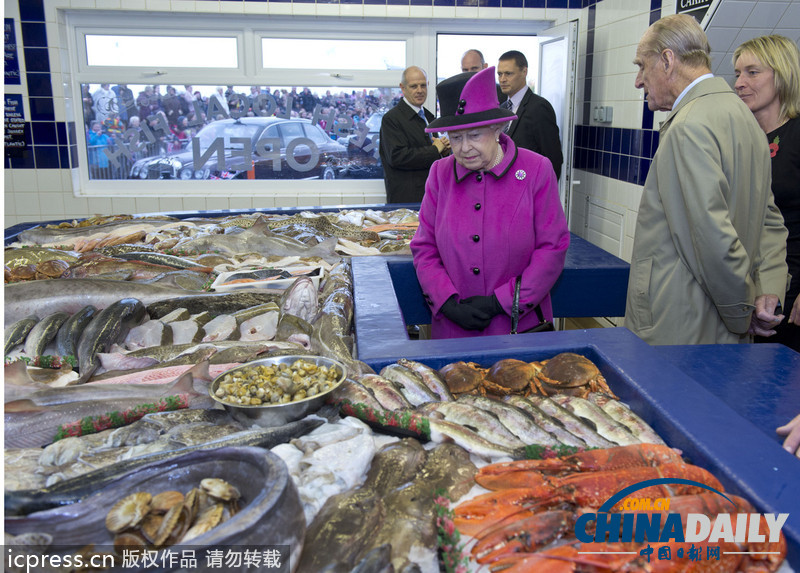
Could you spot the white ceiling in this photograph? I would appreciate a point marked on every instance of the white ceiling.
(736, 21)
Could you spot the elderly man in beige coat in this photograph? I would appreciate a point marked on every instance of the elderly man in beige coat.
(708, 263)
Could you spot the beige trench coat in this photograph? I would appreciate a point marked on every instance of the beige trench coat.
(708, 238)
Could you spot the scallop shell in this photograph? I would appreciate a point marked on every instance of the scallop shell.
(150, 525)
(220, 489)
(128, 512)
(164, 501)
(128, 542)
(168, 524)
(192, 502)
(184, 521)
(207, 521)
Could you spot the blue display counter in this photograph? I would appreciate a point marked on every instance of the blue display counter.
(388, 296)
(760, 382)
(709, 432)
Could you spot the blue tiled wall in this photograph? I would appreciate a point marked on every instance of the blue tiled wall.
(623, 154)
(47, 144)
(618, 153)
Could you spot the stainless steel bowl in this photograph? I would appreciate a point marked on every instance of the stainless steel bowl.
(278, 414)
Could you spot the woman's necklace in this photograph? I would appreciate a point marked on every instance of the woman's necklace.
(498, 157)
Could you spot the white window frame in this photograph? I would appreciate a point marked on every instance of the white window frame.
(419, 35)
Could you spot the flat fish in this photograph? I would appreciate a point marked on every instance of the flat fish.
(150, 333)
(300, 299)
(261, 327)
(409, 526)
(348, 521)
(223, 327)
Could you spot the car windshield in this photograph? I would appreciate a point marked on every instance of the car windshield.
(227, 131)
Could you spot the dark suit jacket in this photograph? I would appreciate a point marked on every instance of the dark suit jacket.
(537, 130)
(406, 153)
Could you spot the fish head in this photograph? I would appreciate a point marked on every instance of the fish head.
(301, 299)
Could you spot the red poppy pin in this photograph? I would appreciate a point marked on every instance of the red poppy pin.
(773, 147)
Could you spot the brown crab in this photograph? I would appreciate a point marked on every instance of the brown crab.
(52, 269)
(508, 376)
(21, 273)
(570, 373)
(463, 377)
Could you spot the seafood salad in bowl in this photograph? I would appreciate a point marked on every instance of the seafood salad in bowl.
(278, 390)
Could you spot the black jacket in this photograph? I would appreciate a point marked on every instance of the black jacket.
(537, 130)
(406, 153)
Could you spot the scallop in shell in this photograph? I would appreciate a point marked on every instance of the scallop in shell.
(220, 489)
(164, 501)
(128, 542)
(207, 520)
(128, 512)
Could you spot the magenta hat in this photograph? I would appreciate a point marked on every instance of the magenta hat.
(469, 100)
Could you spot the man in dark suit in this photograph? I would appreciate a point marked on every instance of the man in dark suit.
(536, 129)
(407, 152)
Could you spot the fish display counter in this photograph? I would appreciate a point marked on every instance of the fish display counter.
(685, 413)
(163, 346)
(12, 233)
(388, 297)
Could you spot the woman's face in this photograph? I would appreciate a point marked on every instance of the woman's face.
(474, 148)
(755, 84)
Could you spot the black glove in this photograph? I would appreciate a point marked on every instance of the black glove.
(464, 315)
(488, 304)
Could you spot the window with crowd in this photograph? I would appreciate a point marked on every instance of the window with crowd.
(214, 98)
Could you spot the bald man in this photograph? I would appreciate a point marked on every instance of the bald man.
(407, 152)
(472, 61)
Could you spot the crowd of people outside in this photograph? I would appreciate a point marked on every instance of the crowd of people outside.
(174, 115)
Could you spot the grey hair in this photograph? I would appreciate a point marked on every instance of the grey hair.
(683, 35)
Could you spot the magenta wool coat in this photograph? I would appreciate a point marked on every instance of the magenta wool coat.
(478, 232)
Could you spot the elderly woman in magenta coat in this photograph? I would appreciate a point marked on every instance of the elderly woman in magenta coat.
(491, 215)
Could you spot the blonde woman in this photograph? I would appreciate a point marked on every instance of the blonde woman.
(768, 81)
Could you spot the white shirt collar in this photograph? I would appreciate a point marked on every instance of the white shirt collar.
(690, 86)
(411, 105)
(516, 99)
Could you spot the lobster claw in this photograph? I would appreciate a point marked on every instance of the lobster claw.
(473, 516)
(525, 535)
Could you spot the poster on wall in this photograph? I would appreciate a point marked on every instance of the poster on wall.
(696, 8)
(11, 57)
(14, 125)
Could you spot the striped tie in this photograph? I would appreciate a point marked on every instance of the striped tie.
(510, 107)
